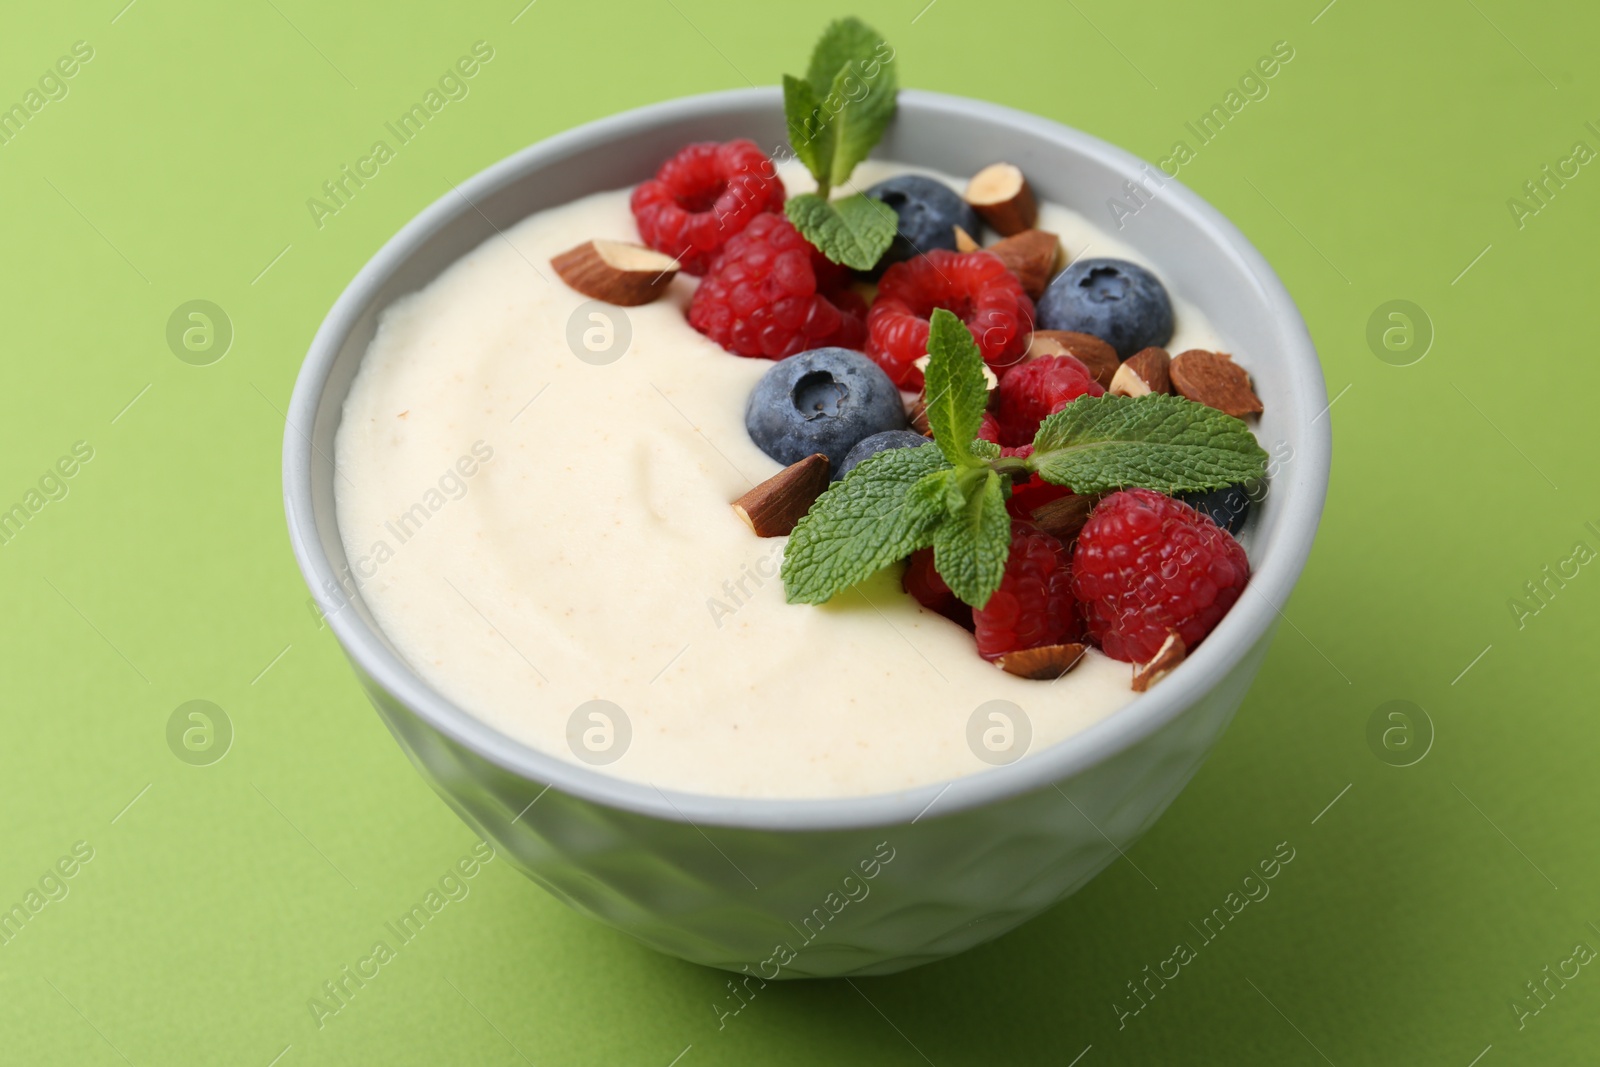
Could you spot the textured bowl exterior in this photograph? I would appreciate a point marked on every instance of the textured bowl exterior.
(734, 898)
(786, 888)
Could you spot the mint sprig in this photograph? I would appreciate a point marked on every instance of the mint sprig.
(971, 544)
(1165, 443)
(883, 510)
(954, 389)
(855, 231)
(836, 114)
(952, 497)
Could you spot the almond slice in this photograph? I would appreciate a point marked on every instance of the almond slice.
(1144, 372)
(1001, 195)
(616, 271)
(965, 242)
(1097, 355)
(1031, 255)
(1045, 663)
(1063, 517)
(917, 415)
(1215, 380)
(1168, 656)
(772, 508)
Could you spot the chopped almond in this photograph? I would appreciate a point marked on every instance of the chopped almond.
(1097, 355)
(616, 271)
(773, 508)
(1045, 663)
(1169, 655)
(1144, 372)
(1002, 196)
(1031, 255)
(1215, 380)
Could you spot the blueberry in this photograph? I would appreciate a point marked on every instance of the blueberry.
(928, 210)
(868, 447)
(824, 400)
(1117, 301)
(1227, 506)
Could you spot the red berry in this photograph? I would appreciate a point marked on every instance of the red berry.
(1147, 564)
(1026, 493)
(1033, 493)
(1034, 605)
(976, 286)
(1037, 389)
(924, 583)
(702, 196)
(761, 297)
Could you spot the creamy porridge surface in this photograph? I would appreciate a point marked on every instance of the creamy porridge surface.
(535, 531)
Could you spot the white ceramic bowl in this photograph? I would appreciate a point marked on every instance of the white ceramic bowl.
(842, 886)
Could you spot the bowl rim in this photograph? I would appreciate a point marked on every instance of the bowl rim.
(1249, 621)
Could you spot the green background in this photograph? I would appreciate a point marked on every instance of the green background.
(221, 897)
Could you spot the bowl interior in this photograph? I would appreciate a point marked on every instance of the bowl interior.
(1198, 254)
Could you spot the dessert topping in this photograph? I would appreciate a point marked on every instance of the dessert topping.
(616, 271)
(1045, 663)
(703, 196)
(1144, 372)
(1031, 255)
(927, 215)
(953, 496)
(772, 508)
(1063, 517)
(1099, 357)
(826, 400)
(770, 294)
(1038, 389)
(1001, 195)
(1111, 299)
(1215, 380)
(1169, 655)
(917, 415)
(836, 113)
(1146, 564)
(1034, 605)
(996, 310)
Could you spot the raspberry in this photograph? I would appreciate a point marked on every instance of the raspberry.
(762, 298)
(924, 583)
(976, 286)
(1026, 493)
(1033, 493)
(702, 196)
(1146, 564)
(1038, 388)
(1034, 605)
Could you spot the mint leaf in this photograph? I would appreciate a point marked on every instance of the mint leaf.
(846, 40)
(855, 231)
(802, 112)
(1159, 442)
(853, 80)
(882, 511)
(847, 100)
(868, 105)
(943, 489)
(970, 548)
(954, 388)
